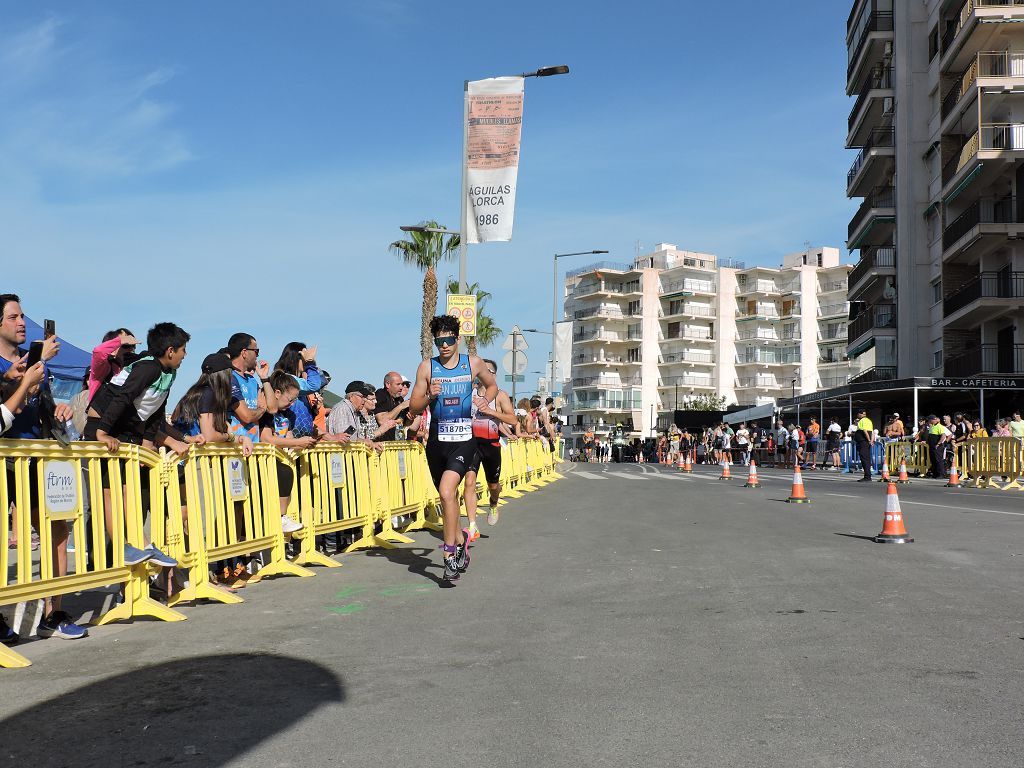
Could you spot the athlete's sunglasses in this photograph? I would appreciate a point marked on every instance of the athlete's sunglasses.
(446, 341)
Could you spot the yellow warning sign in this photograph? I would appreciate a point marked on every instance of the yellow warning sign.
(463, 306)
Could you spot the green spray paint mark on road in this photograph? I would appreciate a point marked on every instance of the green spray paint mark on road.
(392, 590)
(405, 589)
(345, 610)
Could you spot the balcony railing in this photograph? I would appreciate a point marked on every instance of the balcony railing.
(768, 357)
(880, 77)
(756, 382)
(987, 359)
(954, 26)
(873, 258)
(758, 286)
(987, 285)
(834, 381)
(614, 265)
(691, 333)
(607, 381)
(837, 335)
(588, 359)
(880, 21)
(875, 373)
(961, 87)
(879, 197)
(878, 316)
(688, 381)
(772, 313)
(984, 211)
(694, 310)
(967, 152)
(612, 314)
(758, 335)
(879, 137)
(689, 357)
(834, 309)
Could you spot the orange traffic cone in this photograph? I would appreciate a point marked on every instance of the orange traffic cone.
(752, 477)
(686, 466)
(885, 471)
(797, 495)
(682, 459)
(954, 475)
(725, 470)
(893, 530)
(904, 478)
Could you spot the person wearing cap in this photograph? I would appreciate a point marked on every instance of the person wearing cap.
(204, 408)
(864, 438)
(391, 407)
(343, 422)
(895, 430)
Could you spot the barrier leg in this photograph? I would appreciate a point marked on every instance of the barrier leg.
(204, 590)
(11, 660)
(138, 603)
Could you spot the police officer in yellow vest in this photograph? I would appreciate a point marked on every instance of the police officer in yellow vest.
(864, 437)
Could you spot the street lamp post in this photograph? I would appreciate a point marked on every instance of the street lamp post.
(554, 305)
(561, 69)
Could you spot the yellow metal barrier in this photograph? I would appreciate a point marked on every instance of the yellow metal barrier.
(405, 488)
(983, 458)
(234, 511)
(915, 454)
(60, 494)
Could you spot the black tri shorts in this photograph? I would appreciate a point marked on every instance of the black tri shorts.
(489, 456)
(457, 457)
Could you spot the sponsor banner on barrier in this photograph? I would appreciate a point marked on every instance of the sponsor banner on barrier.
(494, 121)
(337, 470)
(235, 477)
(401, 465)
(60, 487)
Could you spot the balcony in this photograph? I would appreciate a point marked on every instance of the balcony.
(959, 38)
(865, 173)
(984, 297)
(870, 106)
(687, 381)
(687, 287)
(605, 337)
(768, 357)
(984, 217)
(582, 360)
(602, 312)
(874, 374)
(878, 317)
(613, 266)
(689, 310)
(873, 262)
(875, 219)
(987, 360)
(758, 335)
(989, 69)
(832, 337)
(695, 334)
(762, 312)
(874, 27)
(764, 287)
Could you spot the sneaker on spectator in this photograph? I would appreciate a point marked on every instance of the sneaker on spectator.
(158, 557)
(35, 541)
(136, 556)
(7, 635)
(59, 624)
(288, 525)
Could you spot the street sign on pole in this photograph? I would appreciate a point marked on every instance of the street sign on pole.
(515, 339)
(514, 361)
(519, 379)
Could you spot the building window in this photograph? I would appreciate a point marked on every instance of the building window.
(936, 292)
(633, 355)
(933, 42)
(937, 359)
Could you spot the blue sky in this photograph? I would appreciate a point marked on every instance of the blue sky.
(244, 165)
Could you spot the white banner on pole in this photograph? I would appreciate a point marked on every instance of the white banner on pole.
(494, 122)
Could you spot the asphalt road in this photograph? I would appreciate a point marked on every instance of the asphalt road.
(625, 615)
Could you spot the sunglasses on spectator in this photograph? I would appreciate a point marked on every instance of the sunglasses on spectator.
(255, 351)
(446, 341)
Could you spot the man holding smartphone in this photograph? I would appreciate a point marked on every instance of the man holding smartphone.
(28, 425)
(344, 420)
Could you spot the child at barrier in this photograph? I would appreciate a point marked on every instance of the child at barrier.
(444, 384)
(130, 408)
(279, 429)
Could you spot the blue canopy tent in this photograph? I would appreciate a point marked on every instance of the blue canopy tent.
(67, 369)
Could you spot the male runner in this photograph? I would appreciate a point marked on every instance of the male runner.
(492, 426)
(445, 385)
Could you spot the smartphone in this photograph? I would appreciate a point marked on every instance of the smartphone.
(49, 329)
(35, 354)
(350, 431)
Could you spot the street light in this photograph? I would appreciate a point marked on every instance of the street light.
(560, 69)
(554, 304)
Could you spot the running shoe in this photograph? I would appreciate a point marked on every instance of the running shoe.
(472, 533)
(492, 516)
(159, 558)
(462, 556)
(136, 556)
(7, 635)
(288, 525)
(59, 624)
(451, 570)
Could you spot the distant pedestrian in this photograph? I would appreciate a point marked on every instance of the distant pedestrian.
(864, 438)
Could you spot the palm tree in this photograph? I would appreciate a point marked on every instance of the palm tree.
(487, 331)
(424, 250)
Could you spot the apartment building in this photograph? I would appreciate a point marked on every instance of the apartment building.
(648, 337)
(938, 122)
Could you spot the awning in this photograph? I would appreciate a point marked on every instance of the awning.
(964, 184)
(861, 348)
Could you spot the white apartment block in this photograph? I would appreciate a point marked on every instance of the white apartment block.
(650, 336)
(938, 119)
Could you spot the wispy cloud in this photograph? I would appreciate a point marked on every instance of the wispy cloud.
(72, 118)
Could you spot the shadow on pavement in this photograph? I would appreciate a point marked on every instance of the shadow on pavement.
(856, 536)
(416, 559)
(204, 711)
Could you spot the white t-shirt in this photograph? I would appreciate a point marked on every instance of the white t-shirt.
(742, 436)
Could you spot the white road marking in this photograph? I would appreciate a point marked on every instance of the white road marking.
(590, 475)
(969, 509)
(843, 495)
